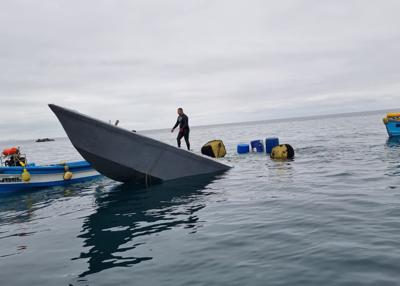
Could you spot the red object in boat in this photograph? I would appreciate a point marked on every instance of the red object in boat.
(10, 151)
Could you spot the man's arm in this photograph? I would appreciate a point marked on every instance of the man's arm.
(176, 125)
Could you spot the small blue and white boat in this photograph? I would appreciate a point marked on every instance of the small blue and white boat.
(392, 123)
(24, 176)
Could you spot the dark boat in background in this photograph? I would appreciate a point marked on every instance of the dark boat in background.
(40, 140)
(126, 156)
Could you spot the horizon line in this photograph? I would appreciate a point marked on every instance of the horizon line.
(307, 117)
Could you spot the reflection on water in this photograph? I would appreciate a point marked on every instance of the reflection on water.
(393, 141)
(393, 155)
(21, 206)
(281, 171)
(127, 214)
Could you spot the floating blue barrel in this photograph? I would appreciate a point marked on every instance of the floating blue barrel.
(243, 148)
(270, 143)
(258, 145)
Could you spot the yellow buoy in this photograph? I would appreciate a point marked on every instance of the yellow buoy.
(393, 114)
(67, 193)
(282, 152)
(25, 176)
(214, 148)
(67, 176)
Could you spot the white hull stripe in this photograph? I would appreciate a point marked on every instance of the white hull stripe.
(14, 179)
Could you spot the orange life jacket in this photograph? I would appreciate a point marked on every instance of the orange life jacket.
(10, 151)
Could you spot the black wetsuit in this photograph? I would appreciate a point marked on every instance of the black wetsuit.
(183, 122)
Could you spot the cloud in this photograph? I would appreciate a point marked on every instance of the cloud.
(222, 61)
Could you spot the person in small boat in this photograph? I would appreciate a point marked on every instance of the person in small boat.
(184, 130)
(15, 160)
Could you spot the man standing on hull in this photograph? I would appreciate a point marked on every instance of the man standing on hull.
(183, 122)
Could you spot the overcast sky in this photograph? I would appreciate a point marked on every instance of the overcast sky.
(222, 61)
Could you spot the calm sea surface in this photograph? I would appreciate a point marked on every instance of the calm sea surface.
(330, 217)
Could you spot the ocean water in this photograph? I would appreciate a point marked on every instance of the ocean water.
(329, 217)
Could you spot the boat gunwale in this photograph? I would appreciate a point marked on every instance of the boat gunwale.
(78, 166)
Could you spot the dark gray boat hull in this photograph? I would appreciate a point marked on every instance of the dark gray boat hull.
(126, 156)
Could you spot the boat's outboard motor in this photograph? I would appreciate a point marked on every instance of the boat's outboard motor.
(214, 149)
